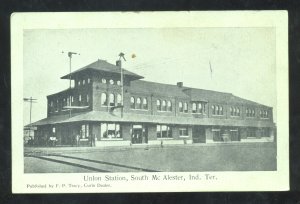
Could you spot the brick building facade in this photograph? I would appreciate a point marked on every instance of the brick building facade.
(97, 112)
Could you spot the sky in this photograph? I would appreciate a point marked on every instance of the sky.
(242, 59)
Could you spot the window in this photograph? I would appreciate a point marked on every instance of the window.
(83, 82)
(221, 110)
(164, 131)
(145, 104)
(111, 81)
(132, 102)
(213, 110)
(253, 113)
(103, 80)
(185, 107)
(89, 80)
(104, 99)
(231, 111)
(217, 110)
(180, 107)
(138, 103)
(217, 135)
(119, 82)
(194, 108)
(72, 99)
(53, 130)
(110, 131)
(119, 100)
(200, 110)
(158, 105)
(84, 132)
(111, 100)
(87, 98)
(79, 99)
(164, 106)
(169, 104)
(238, 111)
(78, 82)
(183, 131)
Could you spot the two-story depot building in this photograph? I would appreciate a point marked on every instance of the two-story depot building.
(96, 112)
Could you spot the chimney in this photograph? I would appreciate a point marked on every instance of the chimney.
(119, 63)
(180, 84)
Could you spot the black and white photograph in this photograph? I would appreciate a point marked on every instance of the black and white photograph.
(175, 103)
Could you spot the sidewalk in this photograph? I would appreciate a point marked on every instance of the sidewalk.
(64, 149)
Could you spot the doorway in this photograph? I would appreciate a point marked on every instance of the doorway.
(139, 134)
(198, 134)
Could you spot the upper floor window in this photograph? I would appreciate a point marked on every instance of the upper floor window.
(185, 107)
(164, 106)
(119, 82)
(104, 99)
(158, 105)
(217, 110)
(89, 80)
(87, 98)
(138, 103)
(119, 99)
(200, 109)
(145, 104)
(83, 82)
(250, 112)
(111, 81)
(213, 110)
(78, 82)
(221, 110)
(180, 107)
(103, 80)
(169, 104)
(194, 108)
(132, 102)
(111, 100)
(79, 99)
(263, 114)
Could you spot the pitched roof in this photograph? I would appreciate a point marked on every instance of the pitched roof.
(158, 89)
(103, 66)
(99, 116)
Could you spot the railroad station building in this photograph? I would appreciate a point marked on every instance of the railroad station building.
(103, 109)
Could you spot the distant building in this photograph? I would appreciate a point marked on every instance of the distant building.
(152, 112)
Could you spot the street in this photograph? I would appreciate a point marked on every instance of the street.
(207, 157)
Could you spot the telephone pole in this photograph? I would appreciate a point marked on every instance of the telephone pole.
(30, 100)
(70, 78)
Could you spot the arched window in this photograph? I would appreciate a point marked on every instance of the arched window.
(238, 111)
(89, 80)
(103, 80)
(231, 111)
(247, 112)
(104, 99)
(169, 106)
(200, 110)
(253, 113)
(118, 82)
(217, 110)
(138, 103)
(79, 98)
(266, 114)
(213, 110)
(132, 102)
(221, 110)
(83, 82)
(234, 111)
(111, 100)
(180, 107)
(164, 105)
(260, 113)
(111, 81)
(145, 104)
(158, 105)
(119, 100)
(185, 107)
(194, 108)
(87, 98)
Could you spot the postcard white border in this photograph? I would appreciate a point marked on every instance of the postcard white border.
(227, 181)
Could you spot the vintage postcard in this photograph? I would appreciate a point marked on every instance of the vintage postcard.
(149, 102)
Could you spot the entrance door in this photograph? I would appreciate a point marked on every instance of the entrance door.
(198, 134)
(139, 134)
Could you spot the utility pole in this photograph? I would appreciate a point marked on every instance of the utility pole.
(70, 78)
(30, 100)
(121, 55)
